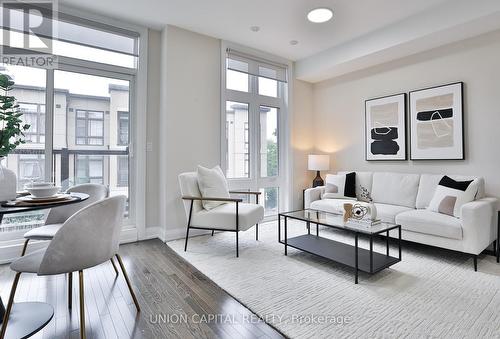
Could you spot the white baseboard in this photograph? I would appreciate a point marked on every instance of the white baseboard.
(153, 233)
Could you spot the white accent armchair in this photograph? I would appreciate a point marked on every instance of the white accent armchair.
(233, 216)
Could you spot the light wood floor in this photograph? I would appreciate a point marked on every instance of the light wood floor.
(165, 285)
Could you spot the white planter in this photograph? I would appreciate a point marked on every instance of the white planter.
(8, 183)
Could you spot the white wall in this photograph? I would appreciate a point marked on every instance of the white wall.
(339, 108)
(152, 130)
(189, 116)
(302, 139)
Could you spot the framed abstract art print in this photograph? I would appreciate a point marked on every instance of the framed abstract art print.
(385, 128)
(436, 123)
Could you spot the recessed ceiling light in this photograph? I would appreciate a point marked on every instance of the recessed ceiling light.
(293, 42)
(255, 28)
(319, 15)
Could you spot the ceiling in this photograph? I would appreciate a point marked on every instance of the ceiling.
(280, 21)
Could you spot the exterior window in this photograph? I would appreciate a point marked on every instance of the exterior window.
(122, 176)
(123, 128)
(30, 168)
(89, 169)
(34, 115)
(89, 127)
(237, 140)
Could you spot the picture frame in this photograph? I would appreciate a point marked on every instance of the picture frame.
(437, 123)
(385, 128)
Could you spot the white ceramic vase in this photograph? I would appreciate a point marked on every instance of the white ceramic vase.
(8, 182)
(372, 211)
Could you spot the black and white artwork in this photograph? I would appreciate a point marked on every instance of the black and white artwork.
(436, 123)
(385, 128)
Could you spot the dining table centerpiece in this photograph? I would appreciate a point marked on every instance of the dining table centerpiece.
(12, 131)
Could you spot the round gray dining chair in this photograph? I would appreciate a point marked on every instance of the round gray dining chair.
(58, 215)
(87, 239)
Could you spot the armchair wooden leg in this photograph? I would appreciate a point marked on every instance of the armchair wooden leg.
(9, 305)
(237, 250)
(114, 266)
(70, 290)
(128, 282)
(23, 252)
(256, 231)
(475, 263)
(213, 233)
(82, 306)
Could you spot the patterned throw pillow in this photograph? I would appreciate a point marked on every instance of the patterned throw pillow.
(450, 195)
(341, 186)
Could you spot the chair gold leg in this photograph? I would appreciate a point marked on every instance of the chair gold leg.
(128, 282)
(9, 305)
(25, 247)
(82, 306)
(114, 266)
(70, 290)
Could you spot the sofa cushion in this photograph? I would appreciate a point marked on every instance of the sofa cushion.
(224, 217)
(387, 213)
(429, 182)
(330, 205)
(340, 186)
(395, 188)
(428, 222)
(363, 179)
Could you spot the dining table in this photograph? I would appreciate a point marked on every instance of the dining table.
(27, 318)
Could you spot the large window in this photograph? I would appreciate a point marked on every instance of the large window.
(89, 127)
(79, 112)
(254, 101)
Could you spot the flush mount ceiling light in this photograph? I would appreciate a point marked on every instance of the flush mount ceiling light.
(319, 15)
(293, 42)
(255, 28)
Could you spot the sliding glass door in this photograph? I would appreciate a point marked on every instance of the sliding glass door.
(91, 131)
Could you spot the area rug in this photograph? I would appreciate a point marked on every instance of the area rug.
(431, 293)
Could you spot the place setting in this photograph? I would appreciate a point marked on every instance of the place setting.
(40, 194)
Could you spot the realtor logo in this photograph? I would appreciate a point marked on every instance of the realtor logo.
(27, 32)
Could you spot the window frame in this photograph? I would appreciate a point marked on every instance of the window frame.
(135, 228)
(255, 100)
(87, 121)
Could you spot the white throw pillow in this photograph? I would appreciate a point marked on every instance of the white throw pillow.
(450, 195)
(212, 184)
(340, 186)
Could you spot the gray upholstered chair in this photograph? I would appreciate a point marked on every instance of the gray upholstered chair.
(88, 238)
(234, 216)
(57, 216)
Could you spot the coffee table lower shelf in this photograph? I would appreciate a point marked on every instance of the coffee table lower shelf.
(342, 253)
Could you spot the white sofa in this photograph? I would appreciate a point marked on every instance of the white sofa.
(403, 198)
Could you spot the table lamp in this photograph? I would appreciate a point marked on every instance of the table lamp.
(318, 162)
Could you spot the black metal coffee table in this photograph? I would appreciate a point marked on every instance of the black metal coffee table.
(353, 256)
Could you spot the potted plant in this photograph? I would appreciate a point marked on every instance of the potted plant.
(11, 135)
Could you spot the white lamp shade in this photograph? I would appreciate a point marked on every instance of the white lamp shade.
(318, 162)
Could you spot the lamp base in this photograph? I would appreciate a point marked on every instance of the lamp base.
(318, 181)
